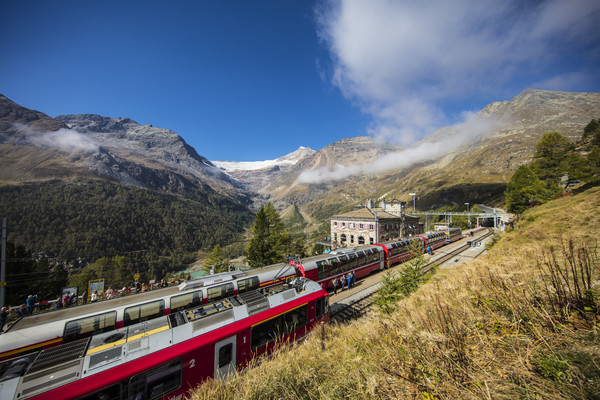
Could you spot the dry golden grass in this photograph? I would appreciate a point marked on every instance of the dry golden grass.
(496, 328)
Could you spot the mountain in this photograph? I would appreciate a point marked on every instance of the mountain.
(35, 147)
(88, 185)
(469, 162)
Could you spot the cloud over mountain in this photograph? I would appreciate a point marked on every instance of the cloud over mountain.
(408, 63)
(67, 140)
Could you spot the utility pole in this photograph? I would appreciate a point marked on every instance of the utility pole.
(3, 264)
(468, 214)
(376, 228)
(414, 195)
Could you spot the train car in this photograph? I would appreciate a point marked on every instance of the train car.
(434, 239)
(74, 323)
(326, 267)
(399, 251)
(167, 356)
(453, 234)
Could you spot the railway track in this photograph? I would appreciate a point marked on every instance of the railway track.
(358, 304)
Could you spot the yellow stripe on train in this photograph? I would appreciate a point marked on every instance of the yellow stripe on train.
(22, 349)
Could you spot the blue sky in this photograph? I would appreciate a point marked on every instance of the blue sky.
(254, 80)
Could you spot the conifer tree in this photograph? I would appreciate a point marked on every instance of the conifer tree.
(217, 260)
(270, 240)
(525, 190)
(548, 160)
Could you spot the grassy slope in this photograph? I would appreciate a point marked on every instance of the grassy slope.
(488, 329)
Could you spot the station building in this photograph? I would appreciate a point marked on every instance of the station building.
(368, 225)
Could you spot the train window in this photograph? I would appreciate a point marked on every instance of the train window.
(376, 255)
(185, 301)
(225, 355)
(353, 260)
(266, 332)
(343, 263)
(295, 319)
(323, 269)
(110, 393)
(319, 308)
(361, 258)
(89, 326)
(369, 255)
(334, 266)
(245, 285)
(219, 292)
(143, 312)
(157, 382)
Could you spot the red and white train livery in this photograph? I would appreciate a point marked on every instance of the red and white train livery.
(165, 357)
(364, 260)
(93, 318)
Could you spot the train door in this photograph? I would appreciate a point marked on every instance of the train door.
(225, 357)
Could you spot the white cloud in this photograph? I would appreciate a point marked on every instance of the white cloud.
(67, 140)
(404, 62)
(453, 138)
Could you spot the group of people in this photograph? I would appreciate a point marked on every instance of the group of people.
(65, 301)
(22, 311)
(345, 280)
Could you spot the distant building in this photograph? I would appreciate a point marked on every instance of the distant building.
(368, 225)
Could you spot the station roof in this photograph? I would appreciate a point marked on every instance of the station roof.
(366, 214)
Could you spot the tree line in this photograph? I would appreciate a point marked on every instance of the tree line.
(556, 165)
(97, 229)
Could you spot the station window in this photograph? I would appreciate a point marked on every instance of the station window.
(143, 312)
(89, 326)
(185, 301)
(371, 226)
(219, 292)
(157, 382)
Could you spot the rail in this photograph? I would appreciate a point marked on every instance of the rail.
(341, 312)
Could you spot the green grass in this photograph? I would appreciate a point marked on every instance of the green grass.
(500, 327)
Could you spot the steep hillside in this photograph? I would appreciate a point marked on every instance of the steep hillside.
(88, 186)
(516, 324)
(35, 147)
(93, 218)
(479, 160)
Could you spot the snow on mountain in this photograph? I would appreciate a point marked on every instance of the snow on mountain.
(287, 160)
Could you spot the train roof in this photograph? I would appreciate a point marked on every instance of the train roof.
(140, 298)
(61, 365)
(92, 308)
(339, 252)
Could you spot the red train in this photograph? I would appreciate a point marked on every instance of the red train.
(73, 323)
(364, 260)
(167, 356)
